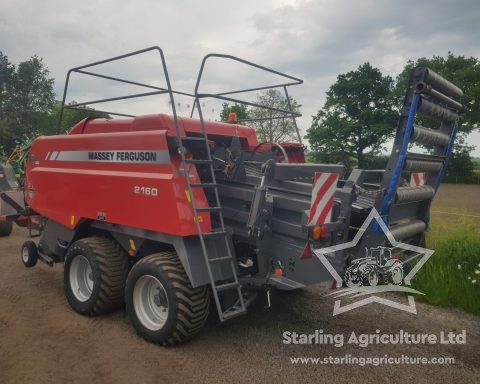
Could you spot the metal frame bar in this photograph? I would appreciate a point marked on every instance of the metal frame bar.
(222, 95)
(159, 90)
(118, 79)
(216, 96)
(98, 111)
(392, 188)
(117, 98)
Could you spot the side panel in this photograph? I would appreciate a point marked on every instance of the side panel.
(127, 178)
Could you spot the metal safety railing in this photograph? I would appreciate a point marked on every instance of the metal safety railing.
(284, 113)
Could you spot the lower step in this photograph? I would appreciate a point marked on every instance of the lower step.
(233, 313)
(226, 286)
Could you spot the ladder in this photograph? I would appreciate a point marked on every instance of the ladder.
(405, 209)
(220, 233)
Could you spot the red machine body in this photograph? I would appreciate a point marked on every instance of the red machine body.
(123, 172)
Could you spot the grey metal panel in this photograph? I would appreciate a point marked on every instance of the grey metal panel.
(281, 199)
(278, 226)
(286, 171)
(8, 180)
(292, 203)
(5, 208)
(55, 239)
(233, 191)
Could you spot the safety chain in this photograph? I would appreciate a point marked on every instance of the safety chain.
(369, 192)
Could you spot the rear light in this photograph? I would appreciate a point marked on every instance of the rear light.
(278, 272)
(319, 231)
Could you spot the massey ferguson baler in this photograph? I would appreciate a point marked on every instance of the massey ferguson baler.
(164, 212)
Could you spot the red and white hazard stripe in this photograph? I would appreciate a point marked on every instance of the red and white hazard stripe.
(323, 192)
(417, 179)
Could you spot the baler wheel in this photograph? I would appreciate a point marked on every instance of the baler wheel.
(94, 275)
(161, 303)
(29, 254)
(5, 228)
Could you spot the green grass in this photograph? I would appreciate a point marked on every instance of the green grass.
(451, 277)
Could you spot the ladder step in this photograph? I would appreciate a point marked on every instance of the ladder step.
(198, 161)
(233, 313)
(193, 138)
(203, 185)
(220, 259)
(215, 233)
(226, 286)
(209, 209)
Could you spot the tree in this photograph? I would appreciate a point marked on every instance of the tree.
(357, 118)
(33, 88)
(26, 98)
(270, 126)
(465, 73)
(70, 118)
(7, 71)
(461, 164)
(240, 109)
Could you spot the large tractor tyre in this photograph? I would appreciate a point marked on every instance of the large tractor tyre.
(5, 228)
(94, 275)
(161, 303)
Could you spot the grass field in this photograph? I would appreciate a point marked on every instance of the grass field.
(452, 276)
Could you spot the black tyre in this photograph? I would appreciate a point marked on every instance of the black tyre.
(5, 228)
(29, 254)
(161, 303)
(352, 276)
(94, 275)
(370, 276)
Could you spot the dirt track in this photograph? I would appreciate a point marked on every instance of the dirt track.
(43, 341)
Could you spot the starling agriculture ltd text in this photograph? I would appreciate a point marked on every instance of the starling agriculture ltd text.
(364, 340)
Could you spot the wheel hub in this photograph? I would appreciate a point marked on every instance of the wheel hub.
(81, 278)
(150, 302)
(25, 254)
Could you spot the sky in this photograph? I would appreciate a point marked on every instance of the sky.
(312, 40)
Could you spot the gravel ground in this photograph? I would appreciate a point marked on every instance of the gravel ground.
(43, 341)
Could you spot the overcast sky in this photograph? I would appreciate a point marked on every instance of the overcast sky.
(314, 40)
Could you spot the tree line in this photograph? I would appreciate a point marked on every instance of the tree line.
(28, 107)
